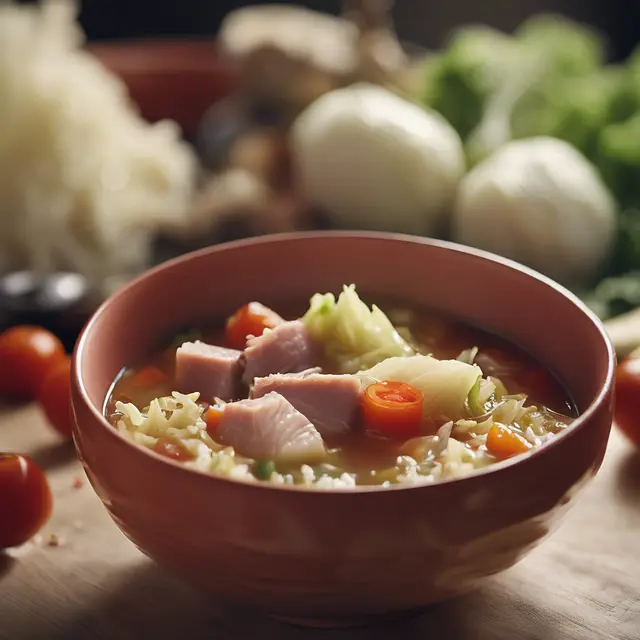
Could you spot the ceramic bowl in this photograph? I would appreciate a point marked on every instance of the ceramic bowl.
(340, 557)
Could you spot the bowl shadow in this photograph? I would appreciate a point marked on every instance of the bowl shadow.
(55, 455)
(9, 406)
(6, 562)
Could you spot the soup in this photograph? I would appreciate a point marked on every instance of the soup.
(339, 396)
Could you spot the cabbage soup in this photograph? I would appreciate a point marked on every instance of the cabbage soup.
(340, 396)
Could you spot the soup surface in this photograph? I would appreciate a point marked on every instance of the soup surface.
(346, 396)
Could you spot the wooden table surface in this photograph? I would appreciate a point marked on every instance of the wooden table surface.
(581, 584)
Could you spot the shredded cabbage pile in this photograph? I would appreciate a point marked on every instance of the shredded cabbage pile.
(354, 336)
(85, 180)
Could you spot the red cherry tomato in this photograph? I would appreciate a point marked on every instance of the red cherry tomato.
(55, 398)
(627, 411)
(27, 354)
(25, 499)
(250, 320)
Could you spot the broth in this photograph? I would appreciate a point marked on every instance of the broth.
(370, 458)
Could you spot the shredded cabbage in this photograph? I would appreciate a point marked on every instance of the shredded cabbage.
(481, 397)
(445, 384)
(468, 355)
(354, 336)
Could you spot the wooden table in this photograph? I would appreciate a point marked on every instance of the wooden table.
(582, 584)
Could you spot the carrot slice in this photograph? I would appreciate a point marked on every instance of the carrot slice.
(393, 409)
(250, 320)
(172, 450)
(504, 443)
(213, 419)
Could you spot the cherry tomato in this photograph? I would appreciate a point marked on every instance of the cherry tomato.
(627, 410)
(27, 354)
(504, 443)
(393, 409)
(55, 398)
(250, 320)
(25, 499)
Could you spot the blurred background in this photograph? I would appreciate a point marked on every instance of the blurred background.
(420, 21)
(131, 132)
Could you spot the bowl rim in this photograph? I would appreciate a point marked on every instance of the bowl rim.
(498, 467)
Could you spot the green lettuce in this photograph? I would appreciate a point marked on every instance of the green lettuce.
(458, 82)
(545, 79)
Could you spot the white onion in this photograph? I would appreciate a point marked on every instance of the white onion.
(373, 160)
(540, 202)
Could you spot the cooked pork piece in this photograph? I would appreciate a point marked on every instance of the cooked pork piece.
(269, 428)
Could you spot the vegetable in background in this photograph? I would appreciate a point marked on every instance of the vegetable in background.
(549, 52)
(550, 79)
(623, 329)
(55, 398)
(574, 109)
(572, 47)
(627, 409)
(90, 181)
(618, 152)
(354, 337)
(615, 296)
(540, 202)
(459, 80)
(619, 160)
(492, 86)
(27, 355)
(25, 499)
(362, 152)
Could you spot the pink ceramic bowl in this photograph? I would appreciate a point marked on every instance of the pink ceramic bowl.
(335, 556)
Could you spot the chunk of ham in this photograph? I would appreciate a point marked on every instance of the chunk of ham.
(269, 428)
(287, 348)
(331, 402)
(213, 371)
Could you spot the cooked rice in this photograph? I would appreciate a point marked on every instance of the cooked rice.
(458, 449)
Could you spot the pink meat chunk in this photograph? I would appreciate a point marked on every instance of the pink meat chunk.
(270, 428)
(287, 348)
(212, 371)
(331, 402)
